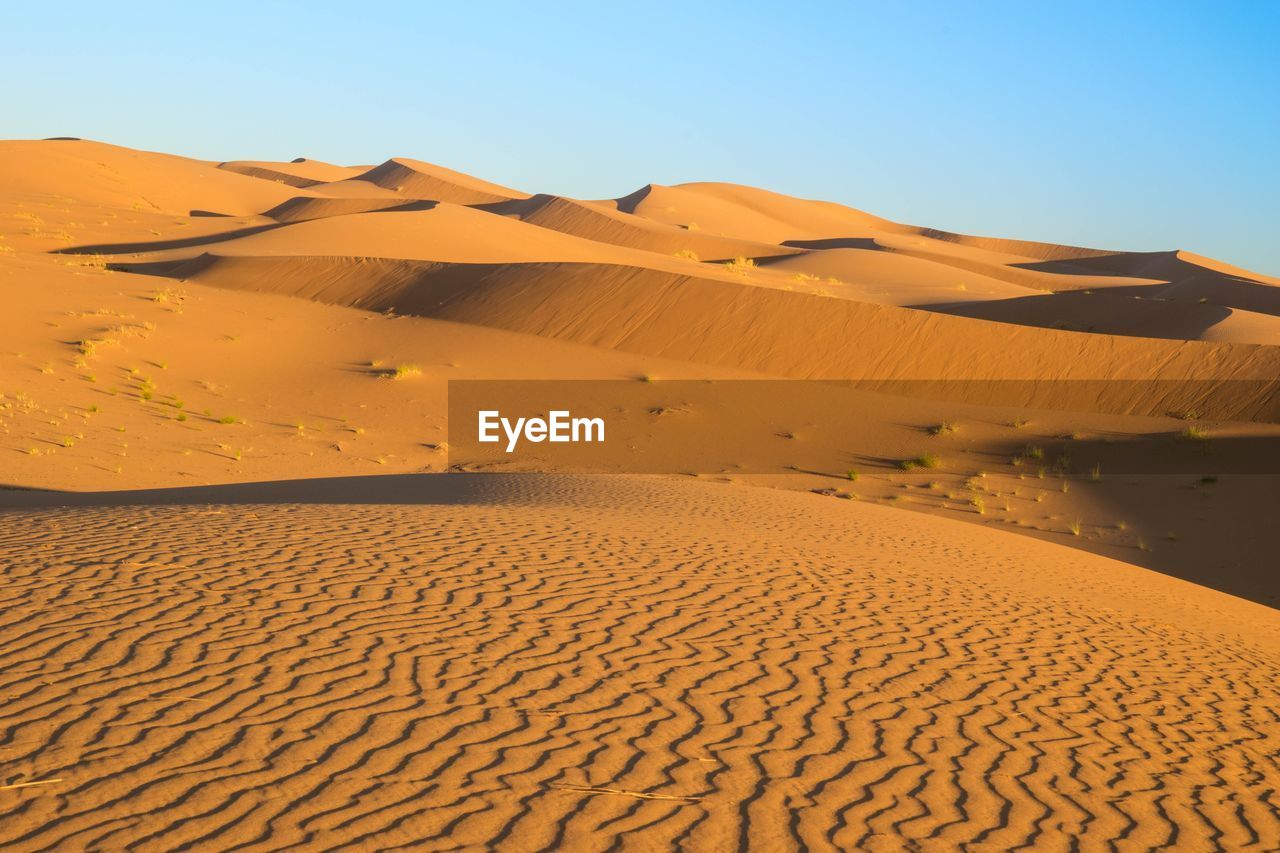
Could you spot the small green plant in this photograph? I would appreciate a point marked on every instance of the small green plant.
(688, 255)
(1034, 451)
(1195, 433)
(944, 428)
(852, 475)
(182, 416)
(1020, 423)
(1074, 527)
(1095, 473)
(740, 266)
(924, 460)
(228, 419)
(404, 371)
(978, 504)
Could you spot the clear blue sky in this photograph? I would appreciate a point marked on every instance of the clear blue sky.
(1135, 125)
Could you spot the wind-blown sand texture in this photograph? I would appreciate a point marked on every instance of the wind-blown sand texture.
(569, 663)
(305, 634)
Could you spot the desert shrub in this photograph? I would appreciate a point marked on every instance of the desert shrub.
(924, 460)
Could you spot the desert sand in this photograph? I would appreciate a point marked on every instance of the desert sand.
(251, 602)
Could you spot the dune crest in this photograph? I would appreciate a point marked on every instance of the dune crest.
(416, 179)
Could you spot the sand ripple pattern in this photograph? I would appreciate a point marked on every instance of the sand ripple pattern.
(640, 665)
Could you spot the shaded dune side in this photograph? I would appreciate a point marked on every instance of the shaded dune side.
(416, 179)
(769, 217)
(728, 324)
(1117, 314)
(598, 222)
(299, 173)
(1025, 248)
(305, 208)
(269, 174)
(702, 670)
(1170, 266)
(977, 261)
(760, 216)
(868, 264)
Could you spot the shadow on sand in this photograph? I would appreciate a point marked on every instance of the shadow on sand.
(449, 488)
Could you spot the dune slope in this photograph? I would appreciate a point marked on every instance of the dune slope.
(541, 663)
(724, 323)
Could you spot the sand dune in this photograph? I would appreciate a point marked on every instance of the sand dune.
(710, 669)
(1112, 313)
(873, 274)
(599, 222)
(428, 231)
(304, 208)
(750, 213)
(121, 178)
(722, 323)
(297, 173)
(415, 179)
(809, 246)
(304, 634)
